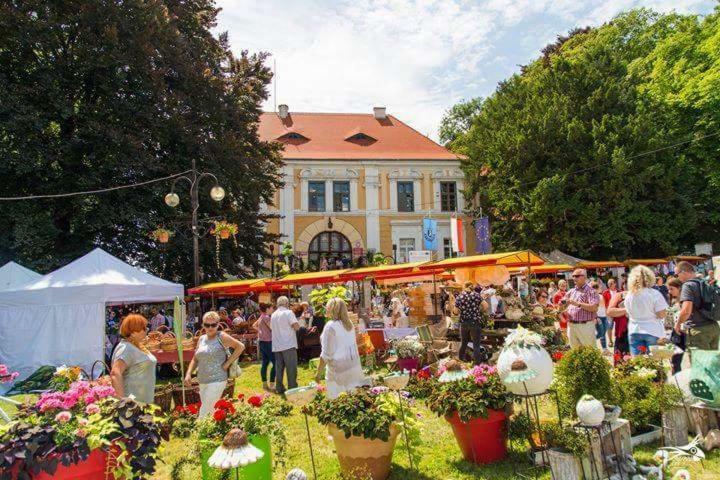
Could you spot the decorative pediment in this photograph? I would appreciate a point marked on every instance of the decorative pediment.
(448, 174)
(409, 174)
(329, 174)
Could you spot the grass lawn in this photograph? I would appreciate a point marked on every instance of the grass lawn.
(441, 457)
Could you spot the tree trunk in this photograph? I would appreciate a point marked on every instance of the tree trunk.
(703, 419)
(675, 427)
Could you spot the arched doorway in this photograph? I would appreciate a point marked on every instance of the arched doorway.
(329, 245)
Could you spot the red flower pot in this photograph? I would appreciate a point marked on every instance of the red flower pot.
(408, 364)
(91, 469)
(482, 440)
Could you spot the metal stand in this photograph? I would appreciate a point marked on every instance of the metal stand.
(312, 455)
(407, 441)
(533, 412)
(604, 426)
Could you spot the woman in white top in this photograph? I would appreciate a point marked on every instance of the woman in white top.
(339, 357)
(646, 309)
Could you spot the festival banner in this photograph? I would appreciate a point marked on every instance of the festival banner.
(430, 240)
(482, 236)
(456, 234)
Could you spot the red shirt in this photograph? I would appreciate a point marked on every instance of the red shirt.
(558, 296)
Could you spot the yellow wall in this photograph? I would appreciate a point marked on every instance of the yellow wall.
(361, 189)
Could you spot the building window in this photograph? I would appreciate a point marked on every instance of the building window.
(447, 247)
(405, 246)
(332, 246)
(341, 196)
(316, 196)
(406, 197)
(448, 196)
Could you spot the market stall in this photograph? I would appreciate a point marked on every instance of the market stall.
(59, 318)
(13, 275)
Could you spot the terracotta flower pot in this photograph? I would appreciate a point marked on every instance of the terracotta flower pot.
(224, 234)
(163, 237)
(359, 456)
(482, 440)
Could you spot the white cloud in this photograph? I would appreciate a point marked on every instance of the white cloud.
(416, 57)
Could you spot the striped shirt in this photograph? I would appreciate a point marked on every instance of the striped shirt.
(584, 294)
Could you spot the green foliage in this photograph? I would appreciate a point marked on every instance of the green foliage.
(582, 371)
(634, 364)
(642, 400)
(320, 296)
(408, 347)
(565, 437)
(113, 93)
(520, 427)
(458, 119)
(468, 397)
(556, 156)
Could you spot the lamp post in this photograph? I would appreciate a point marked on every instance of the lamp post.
(172, 199)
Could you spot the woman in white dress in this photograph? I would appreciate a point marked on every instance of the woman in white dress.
(339, 357)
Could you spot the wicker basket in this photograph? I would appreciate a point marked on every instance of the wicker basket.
(164, 397)
(157, 336)
(169, 342)
(153, 345)
(188, 342)
(192, 394)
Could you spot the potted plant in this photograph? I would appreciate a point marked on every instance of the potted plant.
(259, 417)
(474, 401)
(582, 371)
(567, 451)
(409, 351)
(320, 296)
(161, 235)
(364, 425)
(83, 432)
(222, 230)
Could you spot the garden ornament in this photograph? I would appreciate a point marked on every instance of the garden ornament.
(691, 451)
(454, 371)
(296, 474)
(590, 411)
(235, 451)
(712, 440)
(527, 346)
(519, 373)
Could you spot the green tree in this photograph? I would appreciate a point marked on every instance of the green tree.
(101, 93)
(558, 155)
(458, 119)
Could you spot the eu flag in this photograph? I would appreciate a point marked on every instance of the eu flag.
(482, 235)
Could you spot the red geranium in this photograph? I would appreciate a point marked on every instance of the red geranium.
(180, 409)
(255, 400)
(557, 356)
(642, 348)
(220, 415)
(423, 374)
(241, 397)
(194, 408)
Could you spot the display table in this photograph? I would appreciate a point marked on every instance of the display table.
(394, 333)
(172, 357)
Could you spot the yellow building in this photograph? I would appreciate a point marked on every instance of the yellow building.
(359, 182)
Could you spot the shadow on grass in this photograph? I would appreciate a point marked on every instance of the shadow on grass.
(400, 471)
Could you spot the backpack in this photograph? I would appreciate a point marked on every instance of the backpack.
(710, 301)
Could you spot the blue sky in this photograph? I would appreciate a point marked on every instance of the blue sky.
(415, 57)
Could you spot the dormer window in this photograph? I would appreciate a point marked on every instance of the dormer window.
(360, 138)
(293, 138)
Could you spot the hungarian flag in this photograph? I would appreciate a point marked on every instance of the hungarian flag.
(456, 234)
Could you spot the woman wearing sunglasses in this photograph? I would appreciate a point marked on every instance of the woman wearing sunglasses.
(212, 359)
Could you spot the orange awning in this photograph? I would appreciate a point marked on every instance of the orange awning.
(547, 268)
(221, 287)
(510, 259)
(425, 277)
(592, 265)
(645, 261)
(309, 278)
(384, 271)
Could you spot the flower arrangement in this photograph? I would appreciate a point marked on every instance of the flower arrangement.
(64, 427)
(259, 415)
(369, 413)
(471, 395)
(64, 376)
(408, 347)
(183, 419)
(420, 384)
(642, 365)
(222, 230)
(320, 296)
(161, 234)
(6, 376)
(286, 249)
(523, 338)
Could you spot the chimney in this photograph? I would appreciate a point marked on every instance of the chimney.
(283, 111)
(379, 113)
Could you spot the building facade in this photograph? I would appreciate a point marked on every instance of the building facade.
(355, 183)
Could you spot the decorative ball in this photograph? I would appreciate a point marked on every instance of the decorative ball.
(536, 358)
(296, 474)
(590, 411)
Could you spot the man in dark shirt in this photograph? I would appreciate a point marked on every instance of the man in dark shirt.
(702, 332)
(473, 311)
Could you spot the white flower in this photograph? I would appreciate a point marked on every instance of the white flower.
(522, 337)
(645, 372)
(61, 370)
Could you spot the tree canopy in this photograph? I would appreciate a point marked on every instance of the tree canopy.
(104, 93)
(606, 145)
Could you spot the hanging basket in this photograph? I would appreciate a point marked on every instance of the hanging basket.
(224, 234)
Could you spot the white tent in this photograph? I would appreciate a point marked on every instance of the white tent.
(13, 275)
(59, 318)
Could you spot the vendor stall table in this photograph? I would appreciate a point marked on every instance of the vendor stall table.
(172, 357)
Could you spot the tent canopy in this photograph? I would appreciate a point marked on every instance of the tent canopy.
(13, 275)
(59, 318)
(510, 259)
(97, 277)
(309, 278)
(631, 262)
(592, 265)
(547, 268)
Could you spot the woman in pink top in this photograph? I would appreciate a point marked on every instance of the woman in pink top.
(265, 346)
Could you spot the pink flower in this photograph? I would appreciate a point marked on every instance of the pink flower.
(63, 417)
(83, 422)
(82, 433)
(92, 409)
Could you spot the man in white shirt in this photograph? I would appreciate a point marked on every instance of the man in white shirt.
(284, 344)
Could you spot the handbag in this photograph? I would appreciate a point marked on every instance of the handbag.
(234, 371)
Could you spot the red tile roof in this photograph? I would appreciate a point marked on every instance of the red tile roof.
(327, 134)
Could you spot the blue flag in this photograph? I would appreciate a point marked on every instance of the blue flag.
(430, 240)
(482, 235)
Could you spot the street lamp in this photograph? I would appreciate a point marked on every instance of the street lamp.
(172, 199)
